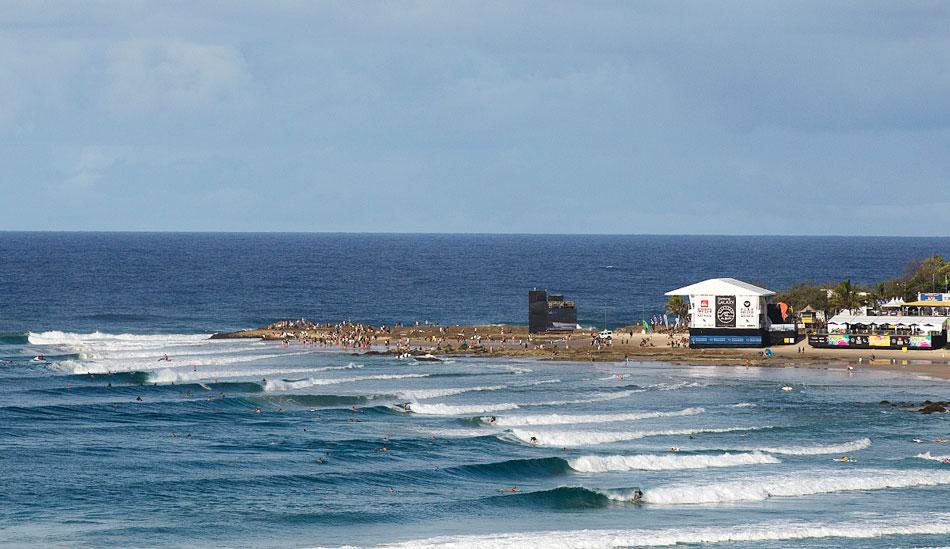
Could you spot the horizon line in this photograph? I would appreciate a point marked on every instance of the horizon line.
(412, 233)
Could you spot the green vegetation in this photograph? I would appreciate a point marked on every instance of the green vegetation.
(675, 305)
(931, 274)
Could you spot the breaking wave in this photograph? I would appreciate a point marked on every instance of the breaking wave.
(585, 438)
(288, 385)
(423, 394)
(784, 530)
(932, 458)
(558, 419)
(844, 448)
(603, 464)
(598, 397)
(794, 485)
(456, 410)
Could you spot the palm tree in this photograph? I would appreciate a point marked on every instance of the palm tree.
(879, 292)
(676, 306)
(846, 296)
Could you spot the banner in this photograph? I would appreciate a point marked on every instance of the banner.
(837, 339)
(725, 311)
(920, 341)
(879, 340)
(703, 312)
(749, 313)
(725, 340)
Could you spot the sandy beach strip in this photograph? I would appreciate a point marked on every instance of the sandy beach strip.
(486, 341)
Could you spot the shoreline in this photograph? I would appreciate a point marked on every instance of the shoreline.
(515, 341)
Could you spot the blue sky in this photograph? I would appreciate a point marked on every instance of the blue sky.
(502, 117)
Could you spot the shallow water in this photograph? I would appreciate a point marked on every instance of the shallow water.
(86, 463)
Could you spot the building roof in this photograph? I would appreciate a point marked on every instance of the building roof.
(721, 286)
(927, 304)
(894, 303)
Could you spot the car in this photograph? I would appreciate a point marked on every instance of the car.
(605, 335)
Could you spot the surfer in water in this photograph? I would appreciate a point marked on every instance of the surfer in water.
(638, 495)
(164, 358)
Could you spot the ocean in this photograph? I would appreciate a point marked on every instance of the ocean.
(256, 444)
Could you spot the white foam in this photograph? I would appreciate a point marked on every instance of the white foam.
(105, 340)
(585, 438)
(102, 366)
(792, 485)
(932, 458)
(671, 461)
(558, 419)
(844, 448)
(455, 410)
(598, 397)
(744, 405)
(676, 386)
(784, 530)
(423, 394)
(284, 385)
(172, 376)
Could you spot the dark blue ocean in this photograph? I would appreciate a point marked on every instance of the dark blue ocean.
(186, 283)
(244, 443)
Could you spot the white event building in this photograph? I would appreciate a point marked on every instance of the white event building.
(725, 312)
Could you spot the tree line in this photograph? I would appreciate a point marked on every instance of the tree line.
(931, 274)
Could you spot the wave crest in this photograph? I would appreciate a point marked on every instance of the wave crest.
(651, 462)
(796, 485)
(558, 419)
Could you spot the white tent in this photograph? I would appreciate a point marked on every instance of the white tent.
(936, 323)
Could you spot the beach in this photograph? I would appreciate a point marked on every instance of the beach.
(576, 347)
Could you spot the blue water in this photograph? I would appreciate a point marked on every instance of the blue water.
(183, 283)
(87, 464)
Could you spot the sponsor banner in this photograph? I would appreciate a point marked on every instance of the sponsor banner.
(748, 312)
(838, 339)
(920, 341)
(724, 340)
(725, 311)
(933, 297)
(817, 339)
(879, 340)
(900, 341)
(703, 312)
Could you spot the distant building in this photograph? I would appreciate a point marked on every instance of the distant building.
(811, 316)
(725, 312)
(550, 313)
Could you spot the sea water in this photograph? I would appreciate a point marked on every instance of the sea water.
(250, 443)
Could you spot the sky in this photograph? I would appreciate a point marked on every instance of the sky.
(624, 117)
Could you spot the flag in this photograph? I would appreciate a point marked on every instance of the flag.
(666, 320)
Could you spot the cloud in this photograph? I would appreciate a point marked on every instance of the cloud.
(145, 75)
(89, 166)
